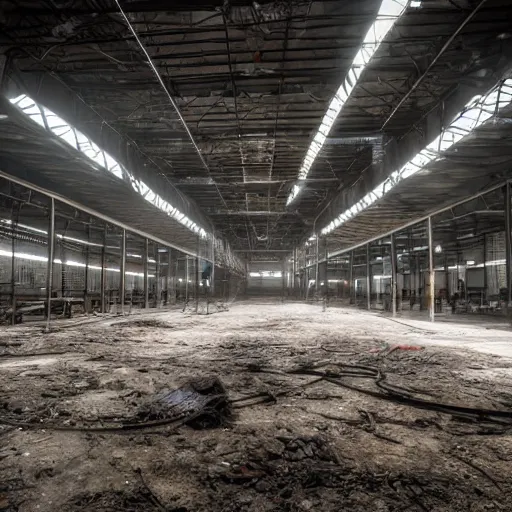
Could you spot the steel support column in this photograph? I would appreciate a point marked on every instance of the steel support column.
(283, 278)
(169, 277)
(317, 274)
(294, 270)
(86, 276)
(14, 226)
(146, 273)
(432, 277)
(508, 244)
(326, 249)
(393, 275)
(368, 279)
(103, 271)
(49, 271)
(197, 282)
(186, 279)
(212, 275)
(158, 284)
(351, 284)
(122, 281)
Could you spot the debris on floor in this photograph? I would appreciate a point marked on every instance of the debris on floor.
(202, 402)
(264, 409)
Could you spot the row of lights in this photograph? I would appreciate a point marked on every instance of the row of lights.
(479, 110)
(389, 12)
(79, 141)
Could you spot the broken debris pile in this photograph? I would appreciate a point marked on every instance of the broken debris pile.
(147, 323)
(205, 307)
(202, 402)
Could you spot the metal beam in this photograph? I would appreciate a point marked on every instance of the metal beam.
(122, 281)
(255, 213)
(368, 278)
(393, 275)
(103, 271)
(167, 92)
(508, 244)
(158, 290)
(86, 270)
(261, 250)
(432, 278)
(351, 283)
(186, 279)
(171, 292)
(317, 273)
(49, 271)
(146, 273)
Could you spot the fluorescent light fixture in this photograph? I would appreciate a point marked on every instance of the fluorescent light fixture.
(470, 262)
(479, 110)
(266, 273)
(67, 263)
(389, 12)
(467, 235)
(77, 140)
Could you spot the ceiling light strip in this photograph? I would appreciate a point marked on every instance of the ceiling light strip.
(479, 110)
(77, 140)
(389, 12)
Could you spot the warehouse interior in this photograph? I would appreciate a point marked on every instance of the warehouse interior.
(255, 256)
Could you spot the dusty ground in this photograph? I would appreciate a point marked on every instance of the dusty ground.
(313, 445)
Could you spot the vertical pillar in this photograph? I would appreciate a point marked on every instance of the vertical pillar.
(294, 271)
(508, 245)
(447, 274)
(317, 272)
(103, 271)
(146, 273)
(485, 267)
(14, 225)
(212, 274)
(158, 284)
(432, 277)
(122, 282)
(368, 279)
(393, 275)
(49, 271)
(326, 251)
(169, 287)
(176, 286)
(283, 278)
(86, 270)
(186, 279)
(198, 275)
(351, 284)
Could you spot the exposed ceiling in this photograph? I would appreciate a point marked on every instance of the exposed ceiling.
(252, 81)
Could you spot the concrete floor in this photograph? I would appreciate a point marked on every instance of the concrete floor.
(313, 446)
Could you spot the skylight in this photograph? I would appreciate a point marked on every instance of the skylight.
(389, 12)
(79, 141)
(479, 110)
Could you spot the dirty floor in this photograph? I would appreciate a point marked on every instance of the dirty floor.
(328, 410)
